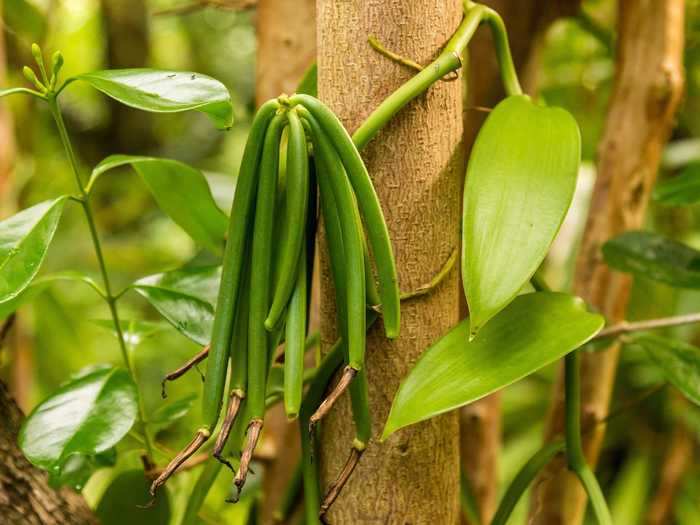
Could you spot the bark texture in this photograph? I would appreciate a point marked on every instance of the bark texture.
(527, 21)
(25, 495)
(417, 165)
(646, 94)
(286, 46)
(286, 32)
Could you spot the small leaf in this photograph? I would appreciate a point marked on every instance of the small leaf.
(654, 257)
(678, 361)
(167, 414)
(165, 92)
(309, 84)
(185, 298)
(126, 501)
(88, 415)
(24, 240)
(520, 181)
(680, 190)
(181, 191)
(534, 330)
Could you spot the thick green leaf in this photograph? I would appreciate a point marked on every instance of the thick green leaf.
(181, 191)
(532, 331)
(126, 501)
(185, 298)
(682, 189)
(165, 91)
(88, 415)
(77, 469)
(679, 362)
(520, 181)
(24, 240)
(654, 257)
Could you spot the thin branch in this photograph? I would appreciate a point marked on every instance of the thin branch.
(179, 372)
(193, 7)
(626, 327)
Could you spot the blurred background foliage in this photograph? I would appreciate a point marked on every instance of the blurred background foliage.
(60, 332)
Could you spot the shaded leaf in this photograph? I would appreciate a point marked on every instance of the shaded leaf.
(654, 257)
(126, 502)
(680, 190)
(88, 415)
(181, 191)
(77, 469)
(520, 181)
(678, 361)
(165, 91)
(533, 331)
(24, 240)
(166, 415)
(134, 331)
(185, 298)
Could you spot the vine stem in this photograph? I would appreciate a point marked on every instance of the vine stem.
(109, 297)
(449, 60)
(574, 450)
(626, 327)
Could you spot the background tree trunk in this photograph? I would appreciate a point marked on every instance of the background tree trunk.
(527, 22)
(286, 31)
(417, 165)
(647, 91)
(25, 495)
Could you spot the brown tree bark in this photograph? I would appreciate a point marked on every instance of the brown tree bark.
(25, 495)
(646, 94)
(286, 32)
(527, 21)
(417, 164)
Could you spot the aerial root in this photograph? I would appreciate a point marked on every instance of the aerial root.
(193, 446)
(234, 405)
(179, 372)
(252, 436)
(349, 374)
(336, 487)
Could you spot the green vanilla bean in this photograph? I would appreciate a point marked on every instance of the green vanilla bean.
(574, 450)
(368, 202)
(353, 254)
(296, 196)
(239, 224)
(448, 61)
(295, 342)
(258, 351)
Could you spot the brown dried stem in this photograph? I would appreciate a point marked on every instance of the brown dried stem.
(346, 378)
(179, 372)
(253, 434)
(234, 404)
(336, 487)
(193, 446)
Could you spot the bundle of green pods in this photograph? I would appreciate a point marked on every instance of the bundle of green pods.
(296, 145)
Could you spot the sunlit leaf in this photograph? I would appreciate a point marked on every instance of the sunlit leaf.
(88, 415)
(181, 191)
(185, 298)
(24, 240)
(126, 501)
(532, 331)
(682, 189)
(520, 181)
(678, 361)
(165, 91)
(654, 257)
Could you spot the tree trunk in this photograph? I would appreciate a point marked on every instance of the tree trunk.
(417, 165)
(286, 33)
(527, 22)
(645, 97)
(25, 495)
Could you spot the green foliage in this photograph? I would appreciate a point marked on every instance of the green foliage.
(534, 330)
(126, 501)
(520, 181)
(682, 189)
(88, 415)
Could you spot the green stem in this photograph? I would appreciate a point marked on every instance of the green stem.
(574, 449)
(449, 60)
(110, 299)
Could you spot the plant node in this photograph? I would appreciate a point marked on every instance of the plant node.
(193, 446)
(346, 378)
(234, 405)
